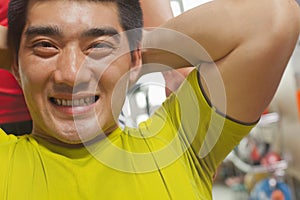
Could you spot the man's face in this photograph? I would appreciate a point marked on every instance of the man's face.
(72, 71)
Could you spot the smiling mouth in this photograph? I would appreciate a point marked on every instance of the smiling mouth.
(74, 102)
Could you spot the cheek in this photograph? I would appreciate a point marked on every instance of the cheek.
(116, 76)
(33, 72)
(33, 79)
(114, 83)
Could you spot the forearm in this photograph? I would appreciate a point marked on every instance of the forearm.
(156, 12)
(3, 36)
(4, 53)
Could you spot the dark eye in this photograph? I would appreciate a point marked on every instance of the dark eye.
(100, 49)
(44, 49)
(101, 45)
(43, 44)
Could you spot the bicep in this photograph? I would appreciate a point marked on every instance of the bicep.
(249, 76)
(251, 70)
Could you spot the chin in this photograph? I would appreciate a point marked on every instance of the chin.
(78, 138)
(75, 141)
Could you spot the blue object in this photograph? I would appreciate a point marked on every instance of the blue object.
(263, 190)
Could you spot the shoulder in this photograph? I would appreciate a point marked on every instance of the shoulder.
(4, 137)
(9, 142)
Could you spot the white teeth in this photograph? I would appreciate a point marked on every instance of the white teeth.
(63, 102)
(76, 102)
(81, 101)
(58, 101)
(69, 103)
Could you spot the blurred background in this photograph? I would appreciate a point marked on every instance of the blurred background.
(266, 164)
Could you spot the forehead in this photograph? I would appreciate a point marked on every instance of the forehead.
(72, 14)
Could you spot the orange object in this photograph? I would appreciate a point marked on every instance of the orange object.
(298, 102)
(277, 195)
(266, 111)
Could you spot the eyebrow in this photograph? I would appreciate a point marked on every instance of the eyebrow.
(56, 31)
(96, 32)
(43, 30)
(103, 31)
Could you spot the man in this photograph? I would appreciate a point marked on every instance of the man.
(74, 63)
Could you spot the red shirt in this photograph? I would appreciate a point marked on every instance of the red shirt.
(12, 104)
(3, 12)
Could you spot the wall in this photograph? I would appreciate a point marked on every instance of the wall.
(285, 102)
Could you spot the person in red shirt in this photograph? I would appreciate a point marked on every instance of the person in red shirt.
(14, 115)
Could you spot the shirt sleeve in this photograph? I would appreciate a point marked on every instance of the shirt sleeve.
(4, 137)
(210, 135)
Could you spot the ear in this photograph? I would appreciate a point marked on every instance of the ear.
(136, 65)
(15, 69)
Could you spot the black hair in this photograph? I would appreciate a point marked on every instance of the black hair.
(130, 16)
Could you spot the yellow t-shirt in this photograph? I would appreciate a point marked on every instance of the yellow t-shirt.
(173, 155)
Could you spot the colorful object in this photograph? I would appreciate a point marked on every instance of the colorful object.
(270, 159)
(251, 179)
(265, 190)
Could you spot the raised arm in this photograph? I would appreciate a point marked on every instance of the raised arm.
(156, 12)
(249, 41)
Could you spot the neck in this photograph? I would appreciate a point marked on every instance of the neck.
(67, 144)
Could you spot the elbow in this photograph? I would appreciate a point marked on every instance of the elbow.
(280, 29)
(286, 23)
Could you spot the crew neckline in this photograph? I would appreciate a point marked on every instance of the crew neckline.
(85, 151)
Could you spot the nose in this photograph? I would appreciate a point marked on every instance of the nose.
(70, 69)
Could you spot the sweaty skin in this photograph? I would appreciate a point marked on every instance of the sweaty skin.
(76, 60)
